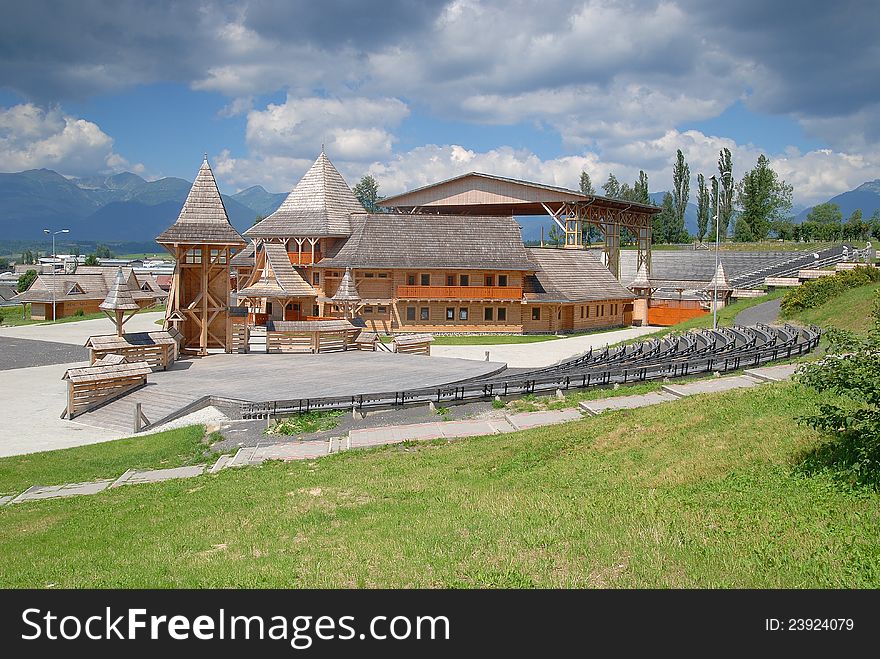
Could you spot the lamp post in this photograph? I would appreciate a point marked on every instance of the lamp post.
(716, 183)
(53, 234)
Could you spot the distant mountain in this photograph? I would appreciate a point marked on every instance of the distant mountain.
(118, 207)
(261, 202)
(865, 197)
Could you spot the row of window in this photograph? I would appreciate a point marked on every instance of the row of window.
(424, 279)
(599, 310)
(491, 314)
(194, 256)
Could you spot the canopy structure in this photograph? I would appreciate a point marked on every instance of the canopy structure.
(347, 294)
(478, 194)
(118, 301)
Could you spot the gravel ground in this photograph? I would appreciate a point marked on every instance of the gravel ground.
(24, 353)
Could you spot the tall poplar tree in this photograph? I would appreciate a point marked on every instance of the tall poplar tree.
(586, 184)
(703, 200)
(681, 184)
(725, 204)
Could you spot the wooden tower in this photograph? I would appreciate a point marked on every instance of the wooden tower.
(203, 242)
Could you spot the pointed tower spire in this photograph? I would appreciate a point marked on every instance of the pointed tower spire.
(347, 294)
(319, 205)
(721, 278)
(203, 218)
(118, 301)
(641, 280)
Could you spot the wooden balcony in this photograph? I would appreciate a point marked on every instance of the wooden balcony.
(459, 293)
(305, 258)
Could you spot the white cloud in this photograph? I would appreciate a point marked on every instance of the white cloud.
(31, 138)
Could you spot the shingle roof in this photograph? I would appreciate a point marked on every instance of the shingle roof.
(720, 278)
(571, 275)
(93, 282)
(319, 205)
(120, 296)
(203, 217)
(347, 290)
(244, 257)
(282, 281)
(390, 240)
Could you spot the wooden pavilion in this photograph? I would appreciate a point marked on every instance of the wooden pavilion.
(203, 243)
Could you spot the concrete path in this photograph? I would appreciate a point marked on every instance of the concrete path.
(372, 437)
(764, 313)
(23, 353)
(78, 332)
(542, 353)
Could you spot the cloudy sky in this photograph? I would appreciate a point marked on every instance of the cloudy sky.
(414, 92)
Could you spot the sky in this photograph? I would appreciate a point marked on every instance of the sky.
(416, 92)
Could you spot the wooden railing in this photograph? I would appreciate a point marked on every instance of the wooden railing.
(305, 258)
(459, 292)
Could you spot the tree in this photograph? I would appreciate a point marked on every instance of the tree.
(856, 228)
(258, 219)
(25, 280)
(681, 183)
(823, 222)
(612, 187)
(640, 189)
(75, 249)
(851, 370)
(762, 197)
(367, 192)
(702, 207)
(663, 220)
(874, 224)
(725, 203)
(103, 252)
(586, 184)
(556, 235)
(4, 263)
(91, 259)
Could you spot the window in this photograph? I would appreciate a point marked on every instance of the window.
(410, 313)
(426, 280)
(335, 307)
(450, 313)
(536, 313)
(383, 275)
(601, 309)
(218, 256)
(463, 314)
(382, 310)
(290, 306)
(369, 275)
(588, 311)
(450, 280)
(368, 310)
(502, 280)
(316, 277)
(268, 307)
(582, 311)
(411, 281)
(502, 313)
(488, 313)
(464, 280)
(424, 313)
(489, 280)
(315, 310)
(193, 255)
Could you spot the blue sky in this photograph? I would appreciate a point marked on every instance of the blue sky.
(424, 91)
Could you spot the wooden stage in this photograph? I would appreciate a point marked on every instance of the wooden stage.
(255, 377)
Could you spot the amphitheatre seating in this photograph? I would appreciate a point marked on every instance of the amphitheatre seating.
(781, 282)
(366, 341)
(158, 349)
(107, 378)
(412, 344)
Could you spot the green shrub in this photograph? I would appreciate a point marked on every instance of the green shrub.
(817, 292)
(306, 423)
(79, 312)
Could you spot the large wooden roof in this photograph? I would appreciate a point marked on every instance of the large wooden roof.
(571, 275)
(203, 218)
(278, 278)
(475, 193)
(319, 205)
(391, 240)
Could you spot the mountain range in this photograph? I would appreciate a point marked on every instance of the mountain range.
(126, 207)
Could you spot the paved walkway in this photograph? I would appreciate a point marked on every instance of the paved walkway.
(542, 353)
(764, 313)
(372, 437)
(78, 332)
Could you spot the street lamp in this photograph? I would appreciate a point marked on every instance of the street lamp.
(53, 234)
(716, 183)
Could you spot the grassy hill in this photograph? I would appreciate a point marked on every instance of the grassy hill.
(704, 492)
(850, 310)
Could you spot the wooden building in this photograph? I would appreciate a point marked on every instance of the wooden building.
(418, 271)
(83, 290)
(203, 242)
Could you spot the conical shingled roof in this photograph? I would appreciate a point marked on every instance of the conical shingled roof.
(203, 218)
(119, 298)
(319, 205)
(641, 280)
(347, 291)
(721, 278)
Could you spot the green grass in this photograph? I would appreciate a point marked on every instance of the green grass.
(849, 310)
(496, 339)
(703, 492)
(306, 423)
(172, 448)
(15, 319)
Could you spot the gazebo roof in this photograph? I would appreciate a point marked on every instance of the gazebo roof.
(319, 205)
(347, 291)
(721, 278)
(119, 298)
(641, 280)
(203, 218)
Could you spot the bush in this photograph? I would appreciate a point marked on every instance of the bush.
(851, 370)
(812, 294)
(79, 312)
